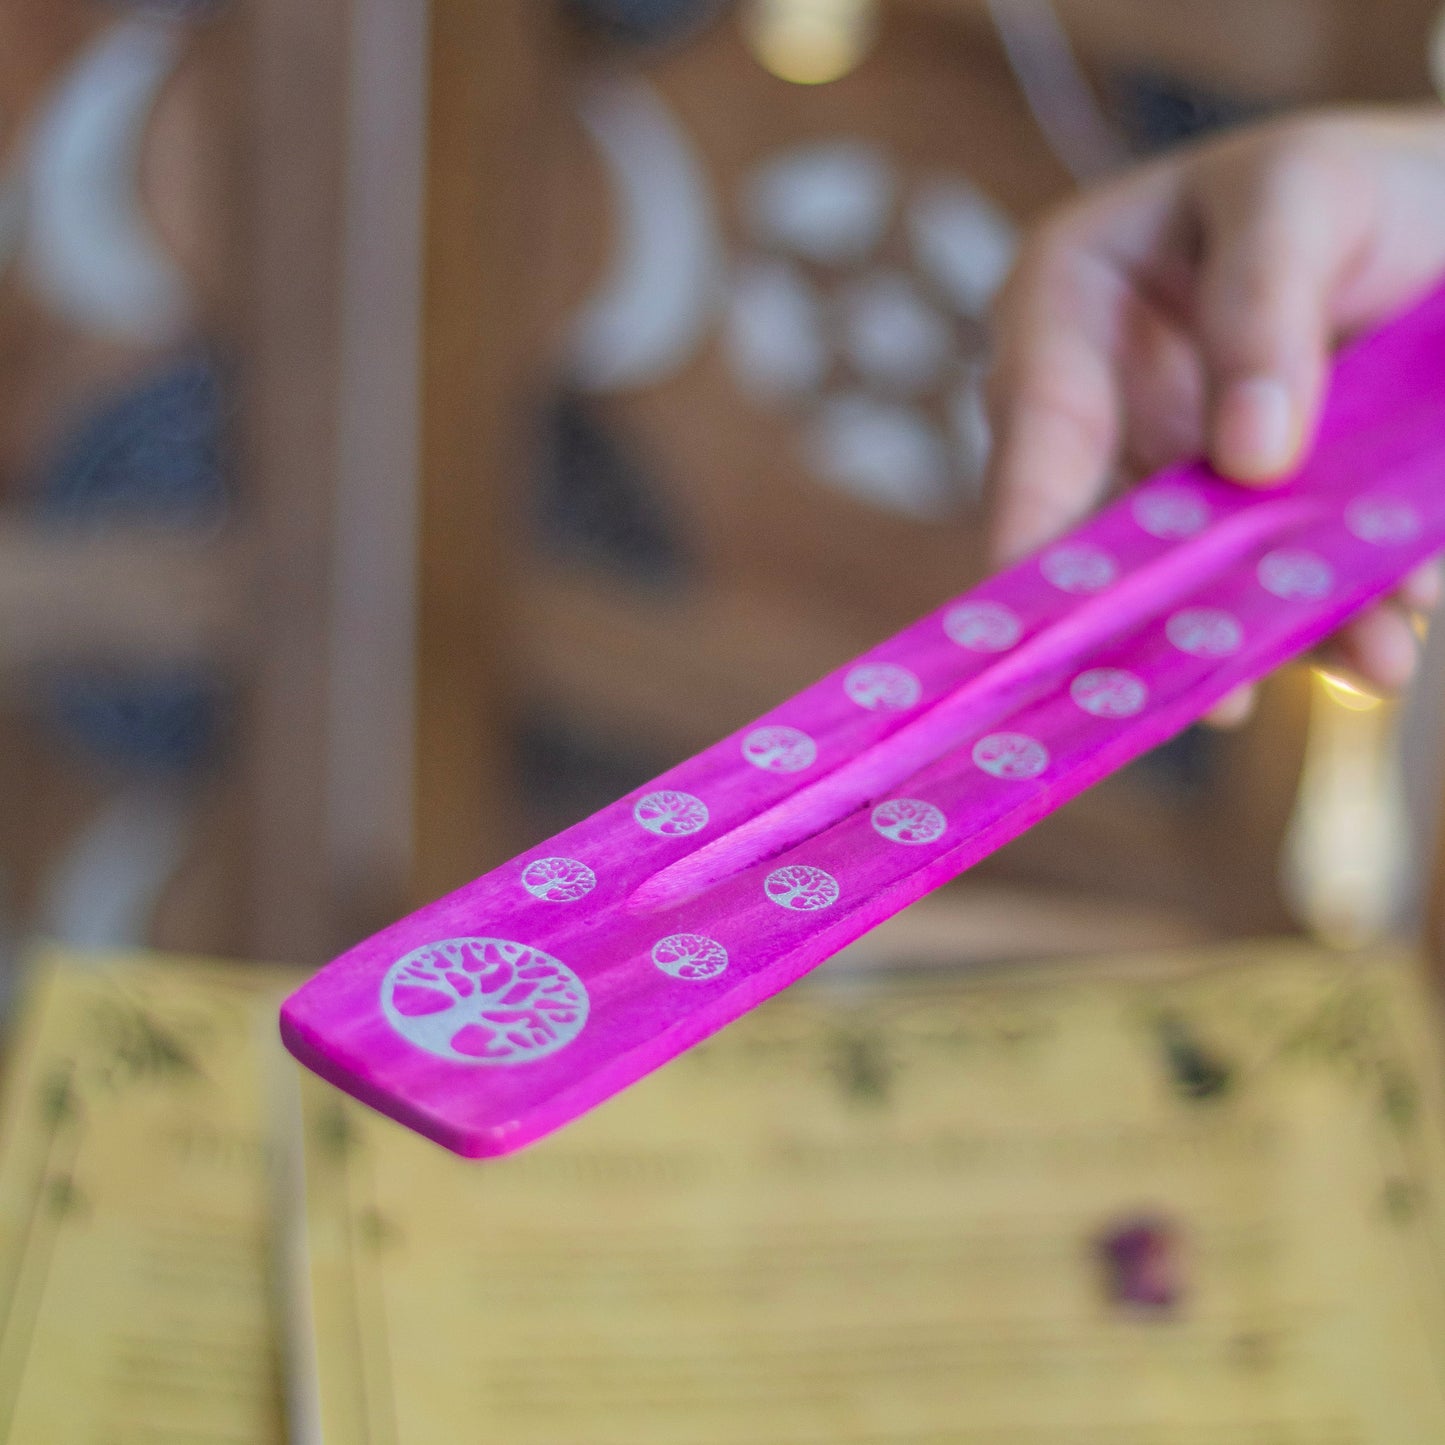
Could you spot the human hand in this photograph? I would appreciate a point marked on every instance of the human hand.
(1191, 307)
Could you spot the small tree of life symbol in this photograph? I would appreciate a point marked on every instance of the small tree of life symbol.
(670, 814)
(1170, 513)
(982, 626)
(1109, 692)
(1382, 521)
(801, 888)
(484, 1001)
(909, 820)
(779, 749)
(1294, 575)
(690, 955)
(1204, 632)
(1078, 567)
(1014, 756)
(558, 880)
(883, 686)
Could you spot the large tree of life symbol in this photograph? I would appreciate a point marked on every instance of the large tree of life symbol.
(484, 1001)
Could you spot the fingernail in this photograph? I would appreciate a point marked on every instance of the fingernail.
(1255, 430)
(1422, 588)
(1233, 710)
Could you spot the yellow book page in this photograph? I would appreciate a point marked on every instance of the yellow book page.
(135, 1206)
(871, 1216)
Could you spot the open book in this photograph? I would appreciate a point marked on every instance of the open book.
(1197, 1205)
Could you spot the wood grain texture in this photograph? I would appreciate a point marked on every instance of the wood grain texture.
(477, 359)
(294, 121)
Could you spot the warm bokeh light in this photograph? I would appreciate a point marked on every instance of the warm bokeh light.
(1347, 692)
(810, 42)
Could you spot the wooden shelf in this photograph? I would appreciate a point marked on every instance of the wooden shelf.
(115, 596)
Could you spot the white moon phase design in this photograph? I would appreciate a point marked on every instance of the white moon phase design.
(776, 335)
(668, 269)
(962, 241)
(89, 251)
(828, 202)
(883, 452)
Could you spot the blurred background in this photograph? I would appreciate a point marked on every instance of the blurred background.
(420, 425)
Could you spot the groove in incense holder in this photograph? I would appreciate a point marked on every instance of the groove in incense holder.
(1006, 685)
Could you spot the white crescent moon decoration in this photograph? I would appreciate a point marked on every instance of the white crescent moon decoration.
(88, 249)
(667, 273)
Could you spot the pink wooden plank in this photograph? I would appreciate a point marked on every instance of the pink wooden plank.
(530, 995)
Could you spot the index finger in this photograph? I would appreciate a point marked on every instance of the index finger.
(1056, 397)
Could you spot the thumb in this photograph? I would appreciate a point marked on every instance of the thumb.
(1279, 230)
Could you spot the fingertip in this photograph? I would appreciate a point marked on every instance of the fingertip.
(1256, 431)
(1423, 589)
(1382, 647)
(1233, 709)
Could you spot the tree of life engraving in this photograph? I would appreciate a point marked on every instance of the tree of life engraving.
(1014, 756)
(909, 820)
(1296, 576)
(1204, 632)
(1170, 513)
(670, 814)
(883, 686)
(779, 749)
(1109, 692)
(484, 1001)
(690, 955)
(1078, 567)
(1382, 521)
(801, 888)
(983, 626)
(558, 880)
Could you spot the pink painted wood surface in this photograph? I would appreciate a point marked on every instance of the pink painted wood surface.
(521, 1000)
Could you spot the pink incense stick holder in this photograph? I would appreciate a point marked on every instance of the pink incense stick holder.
(523, 999)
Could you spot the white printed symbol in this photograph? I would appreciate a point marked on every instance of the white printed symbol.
(1296, 576)
(484, 1001)
(558, 880)
(779, 749)
(982, 626)
(1382, 521)
(1170, 513)
(690, 955)
(801, 888)
(1011, 755)
(1109, 692)
(883, 686)
(670, 814)
(1204, 632)
(1078, 567)
(909, 820)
